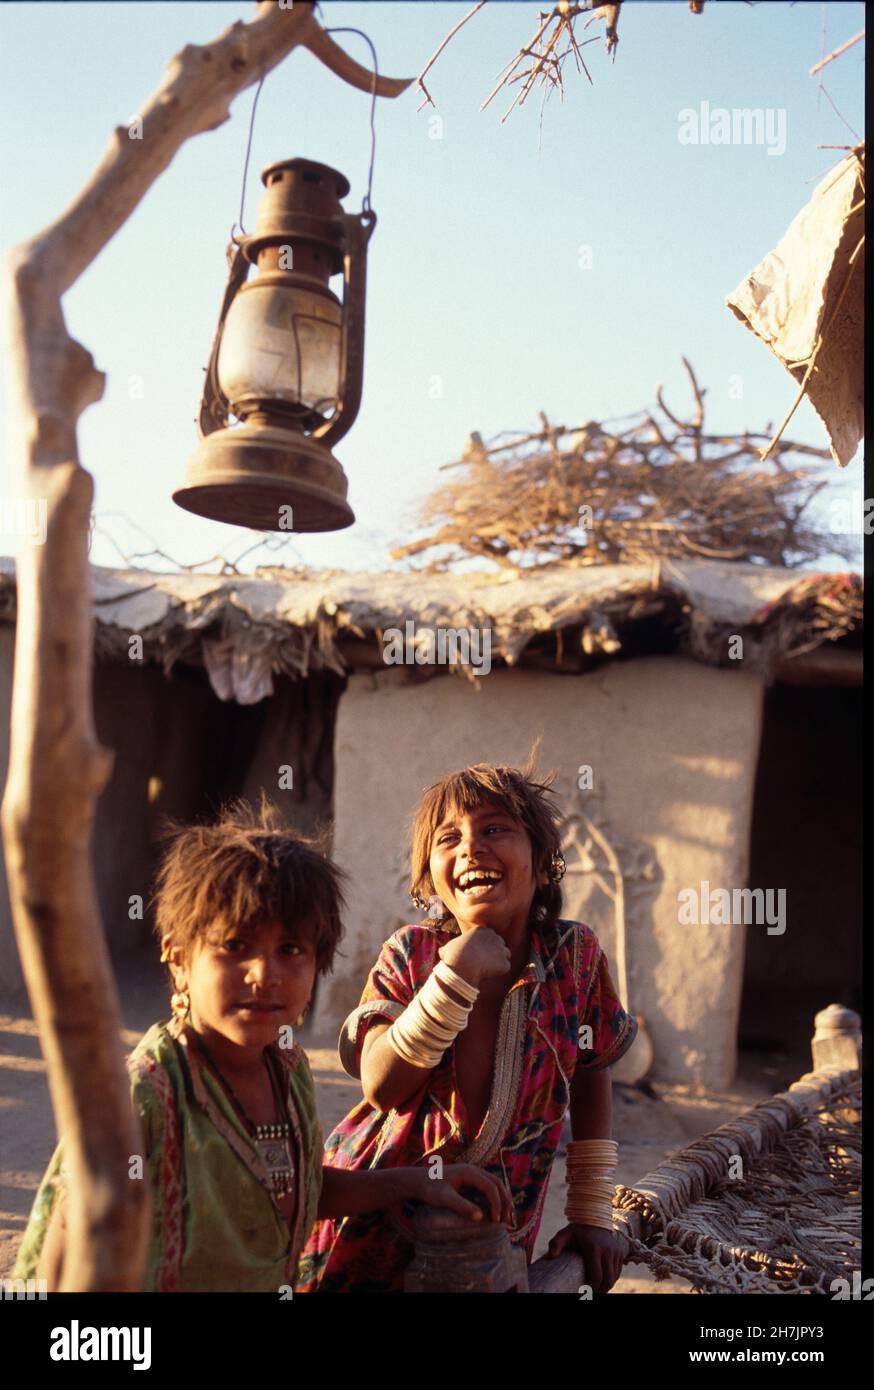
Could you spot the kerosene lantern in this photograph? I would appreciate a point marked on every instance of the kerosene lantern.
(284, 377)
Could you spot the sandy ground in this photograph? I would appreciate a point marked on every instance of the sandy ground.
(648, 1128)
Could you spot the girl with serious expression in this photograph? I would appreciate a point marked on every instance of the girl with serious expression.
(245, 985)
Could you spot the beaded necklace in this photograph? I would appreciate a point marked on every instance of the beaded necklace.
(273, 1141)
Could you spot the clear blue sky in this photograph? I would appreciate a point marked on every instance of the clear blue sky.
(474, 273)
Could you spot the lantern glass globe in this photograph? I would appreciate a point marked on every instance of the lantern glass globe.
(281, 346)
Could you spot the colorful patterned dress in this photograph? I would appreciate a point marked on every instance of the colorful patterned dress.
(215, 1224)
(565, 985)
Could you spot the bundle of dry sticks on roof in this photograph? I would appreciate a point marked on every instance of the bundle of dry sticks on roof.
(662, 486)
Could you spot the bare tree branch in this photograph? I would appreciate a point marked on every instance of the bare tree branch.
(338, 61)
(544, 49)
(57, 768)
(837, 53)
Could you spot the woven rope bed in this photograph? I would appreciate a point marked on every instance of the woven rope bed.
(785, 1219)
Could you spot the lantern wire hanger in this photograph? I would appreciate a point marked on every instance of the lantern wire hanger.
(236, 236)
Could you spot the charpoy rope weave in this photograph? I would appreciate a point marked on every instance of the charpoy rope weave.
(790, 1222)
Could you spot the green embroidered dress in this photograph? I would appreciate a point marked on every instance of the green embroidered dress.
(215, 1224)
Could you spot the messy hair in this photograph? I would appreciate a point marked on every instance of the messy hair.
(521, 793)
(246, 869)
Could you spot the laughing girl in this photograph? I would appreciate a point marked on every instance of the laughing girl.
(477, 1031)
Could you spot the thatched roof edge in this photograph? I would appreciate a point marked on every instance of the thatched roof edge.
(296, 621)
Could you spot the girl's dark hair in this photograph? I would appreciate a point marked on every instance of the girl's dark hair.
(520, 793)
(245, 869)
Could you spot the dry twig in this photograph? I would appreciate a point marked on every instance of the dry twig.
(837, 53)
(420, 82)
(544, 49)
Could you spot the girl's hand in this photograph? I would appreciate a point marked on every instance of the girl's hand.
(603, 1253)
(477, 955)
(445, 1191)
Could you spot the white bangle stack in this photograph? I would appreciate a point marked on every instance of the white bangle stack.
(433, 1019)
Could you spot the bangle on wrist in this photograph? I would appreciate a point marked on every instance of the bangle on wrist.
(451, 977)
(430, 1023)
(590, 1167)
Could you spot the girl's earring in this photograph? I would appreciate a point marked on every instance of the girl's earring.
(180, 1003)
(419, 901)
(557, 867)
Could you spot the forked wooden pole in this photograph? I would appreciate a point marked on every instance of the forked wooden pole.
(57, 768)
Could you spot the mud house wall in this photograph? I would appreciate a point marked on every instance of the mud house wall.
(159, 732)
(179, 752)
(672, 745)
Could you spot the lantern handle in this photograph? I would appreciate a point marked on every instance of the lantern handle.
(359, 228)
(214, 402)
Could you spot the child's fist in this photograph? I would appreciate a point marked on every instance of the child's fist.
(454, 1177)
(477, 955)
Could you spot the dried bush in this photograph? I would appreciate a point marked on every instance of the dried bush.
(661, 486)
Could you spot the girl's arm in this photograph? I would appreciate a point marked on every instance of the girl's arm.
(591, 1111)
(347, 1193)
(386, 1079)
(591, 1103)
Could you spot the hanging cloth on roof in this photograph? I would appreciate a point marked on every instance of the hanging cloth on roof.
(811, 287)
